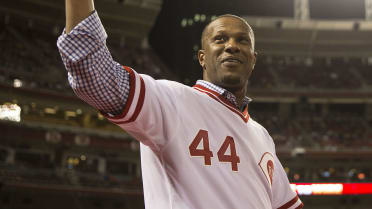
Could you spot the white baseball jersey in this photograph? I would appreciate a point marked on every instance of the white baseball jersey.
(200, 152)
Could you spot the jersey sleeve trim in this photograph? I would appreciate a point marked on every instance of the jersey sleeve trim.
(300, 206)
(135, 99)
(294, 203)
(139, 104)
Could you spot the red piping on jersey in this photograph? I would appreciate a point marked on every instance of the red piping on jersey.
(216, 94)
(141, 99)
(219, 98)
(261, 166)
(290, 203)
(300, 206)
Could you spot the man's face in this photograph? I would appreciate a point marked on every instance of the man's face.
(227, 57)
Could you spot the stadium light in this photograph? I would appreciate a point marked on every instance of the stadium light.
(17, 83)
(184, 22)
(197, 17)
(11, 112)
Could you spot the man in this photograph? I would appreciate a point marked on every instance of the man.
(199, 148)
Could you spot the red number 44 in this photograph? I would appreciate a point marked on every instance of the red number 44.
(205, 152)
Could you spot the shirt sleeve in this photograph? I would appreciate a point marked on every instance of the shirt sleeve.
(92, 73)
(283, 196)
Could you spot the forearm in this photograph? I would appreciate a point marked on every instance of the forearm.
(76, 11)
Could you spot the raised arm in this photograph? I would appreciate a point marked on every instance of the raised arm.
(92, 73)
(76, 11)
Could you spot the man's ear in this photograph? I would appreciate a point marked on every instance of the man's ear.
(254, 61)
(201, 56)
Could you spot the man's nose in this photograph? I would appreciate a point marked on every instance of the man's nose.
(232, 47)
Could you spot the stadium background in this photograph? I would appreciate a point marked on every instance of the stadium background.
(312, 89)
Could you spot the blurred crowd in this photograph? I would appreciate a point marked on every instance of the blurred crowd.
(30, 59)
(333, 132)
(321, 73)
(42, 156)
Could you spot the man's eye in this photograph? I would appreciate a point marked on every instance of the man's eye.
(244, 40)
(219, 38)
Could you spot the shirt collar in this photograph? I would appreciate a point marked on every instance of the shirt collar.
(225, 93)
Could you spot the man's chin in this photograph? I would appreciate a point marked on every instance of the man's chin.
(231, 82)
(231, 79)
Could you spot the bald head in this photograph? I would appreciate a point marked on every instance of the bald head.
(206, 30)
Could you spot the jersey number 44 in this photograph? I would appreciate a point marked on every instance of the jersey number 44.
(202, 137)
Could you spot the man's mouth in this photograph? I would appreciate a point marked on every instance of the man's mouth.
(231, 60)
